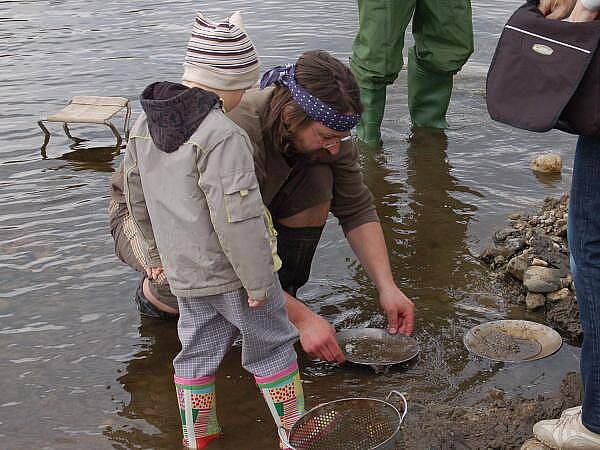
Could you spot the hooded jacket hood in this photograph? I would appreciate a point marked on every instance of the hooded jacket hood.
(175, 112)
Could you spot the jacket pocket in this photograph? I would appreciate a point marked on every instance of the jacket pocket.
(241, 196)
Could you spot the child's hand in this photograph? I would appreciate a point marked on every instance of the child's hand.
(254, 302)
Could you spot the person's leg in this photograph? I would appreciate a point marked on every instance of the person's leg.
(584, 244)
(580, 428)
(205, 338)
(268, 352)
(443, 33)
(153, 298)
(300, 211)
(296, 246)
(377, 58)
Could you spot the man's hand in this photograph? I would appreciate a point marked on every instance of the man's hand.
(154, 272)
(556, 9)
(400, 311)
(317, 337)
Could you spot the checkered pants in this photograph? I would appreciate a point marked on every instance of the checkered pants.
(208, 326)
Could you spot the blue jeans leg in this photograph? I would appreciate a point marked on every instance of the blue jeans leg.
(584, 244)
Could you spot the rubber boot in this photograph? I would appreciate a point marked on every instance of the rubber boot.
(428, 95)
(368, 130)
(284, 396)
(197, 407)
(296, 248)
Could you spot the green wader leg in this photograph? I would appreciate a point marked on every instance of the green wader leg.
(428, 95)
(443, 33)
(377, 58)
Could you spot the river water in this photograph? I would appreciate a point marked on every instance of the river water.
(80, 369)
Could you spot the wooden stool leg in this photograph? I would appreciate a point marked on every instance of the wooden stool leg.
(46, 138)
(70, 136)
(126, 123)
(116, 133)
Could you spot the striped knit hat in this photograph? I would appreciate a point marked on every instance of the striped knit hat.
(221, 55)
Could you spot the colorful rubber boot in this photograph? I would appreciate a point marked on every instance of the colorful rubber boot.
(368, 130)
(197, 407)
(284, 396)
(428, 94)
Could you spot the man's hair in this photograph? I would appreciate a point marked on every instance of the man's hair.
(326, 78)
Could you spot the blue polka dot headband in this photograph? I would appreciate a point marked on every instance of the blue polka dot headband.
(312, 106)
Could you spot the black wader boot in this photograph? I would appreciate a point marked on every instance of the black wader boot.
(296, 248)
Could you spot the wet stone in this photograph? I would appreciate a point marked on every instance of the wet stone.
(539, 262)
(542, 279)
(566, 281)
(559, 296)
(547, 163)
(534, 301)
(544, 248)
(565, 317)
(517, 266)
(534, 444)
(503, 234)
(492, 251)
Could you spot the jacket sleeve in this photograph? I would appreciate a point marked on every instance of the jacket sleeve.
(352, 201)
(228, 180)
(136, 203)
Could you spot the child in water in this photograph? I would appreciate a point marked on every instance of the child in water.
(192, 191)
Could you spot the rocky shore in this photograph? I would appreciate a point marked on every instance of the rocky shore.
(531, 257)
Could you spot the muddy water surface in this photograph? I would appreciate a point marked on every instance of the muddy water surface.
(79, 368)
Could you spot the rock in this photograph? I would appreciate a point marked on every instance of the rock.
(534, 444)
(544, 248)
(534, 301)
(489, 254)
(501, 235)
(496, 394)
(539, 262)
(562, 231)
(514, 216)
(560, 295)
(566, 281)
(547, 163)
(520, 226)
(542, 279)
(517, 266)
(565, 316)
(499, 261)
(515, 243)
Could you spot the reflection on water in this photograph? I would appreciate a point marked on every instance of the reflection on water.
(76, 361)
(98, 159)
(148, 378)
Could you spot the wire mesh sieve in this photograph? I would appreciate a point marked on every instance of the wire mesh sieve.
(348, 424)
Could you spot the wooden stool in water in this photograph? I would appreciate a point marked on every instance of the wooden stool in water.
(89, 109)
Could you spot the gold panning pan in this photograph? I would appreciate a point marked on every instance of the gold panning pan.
(376, 347)
(512, 340)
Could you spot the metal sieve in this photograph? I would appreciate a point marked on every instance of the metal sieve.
(348, 424)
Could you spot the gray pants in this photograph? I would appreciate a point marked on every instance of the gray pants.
(208, 326)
